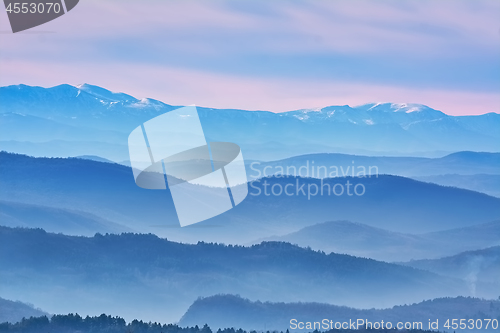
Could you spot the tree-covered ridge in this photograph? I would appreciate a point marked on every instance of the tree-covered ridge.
(108, 191)
(231, 310)
(13, 311)
(74, 323)
(168, 276)
(37, 249)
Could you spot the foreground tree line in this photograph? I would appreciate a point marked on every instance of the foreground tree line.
(74, 323)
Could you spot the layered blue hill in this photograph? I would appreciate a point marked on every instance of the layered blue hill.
(230, 310)
(365, 241)
(146, 277)
(69, 222)
(12, 312)
(472, 266)
(109, 191)
(326, 165)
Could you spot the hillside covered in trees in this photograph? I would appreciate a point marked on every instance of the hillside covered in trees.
(73, 323)
(231, 310)
(113, 272)
(12, 311)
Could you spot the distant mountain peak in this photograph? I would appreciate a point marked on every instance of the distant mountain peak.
(317, 109)
(83, 86)
(375, 127)
(104, 93)
(396, 107)
(407, 108)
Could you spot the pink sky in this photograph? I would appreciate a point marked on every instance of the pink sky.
(275, 56)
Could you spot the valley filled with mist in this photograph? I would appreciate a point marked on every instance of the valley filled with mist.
(416, 240)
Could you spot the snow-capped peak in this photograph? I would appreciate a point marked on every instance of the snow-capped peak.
(102, 93)
(407, 107)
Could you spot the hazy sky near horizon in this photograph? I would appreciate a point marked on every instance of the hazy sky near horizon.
(269, 55)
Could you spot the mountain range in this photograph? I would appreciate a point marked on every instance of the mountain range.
(365, 241)
(340, 165)
(473, 171)
(69, 222)
(114, 273)
(235, 311)
(94, 115)
(472, 266)
(108, 191)
(484, 183)
(69, 217)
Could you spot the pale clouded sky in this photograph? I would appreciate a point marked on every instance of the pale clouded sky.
(269, 55)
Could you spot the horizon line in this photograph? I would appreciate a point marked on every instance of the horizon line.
(306, 110)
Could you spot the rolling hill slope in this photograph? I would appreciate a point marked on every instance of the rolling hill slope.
(109, 191)
(55, 220)
(13, 312)
(484, 183)
(341, 165)
(365, 241)
(233, 311)
(472, 266)
(119, 272)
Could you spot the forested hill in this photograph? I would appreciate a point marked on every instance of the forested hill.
(106, 324)
(163, 278)
(235, 311)
(108, 191)
(14, 311)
